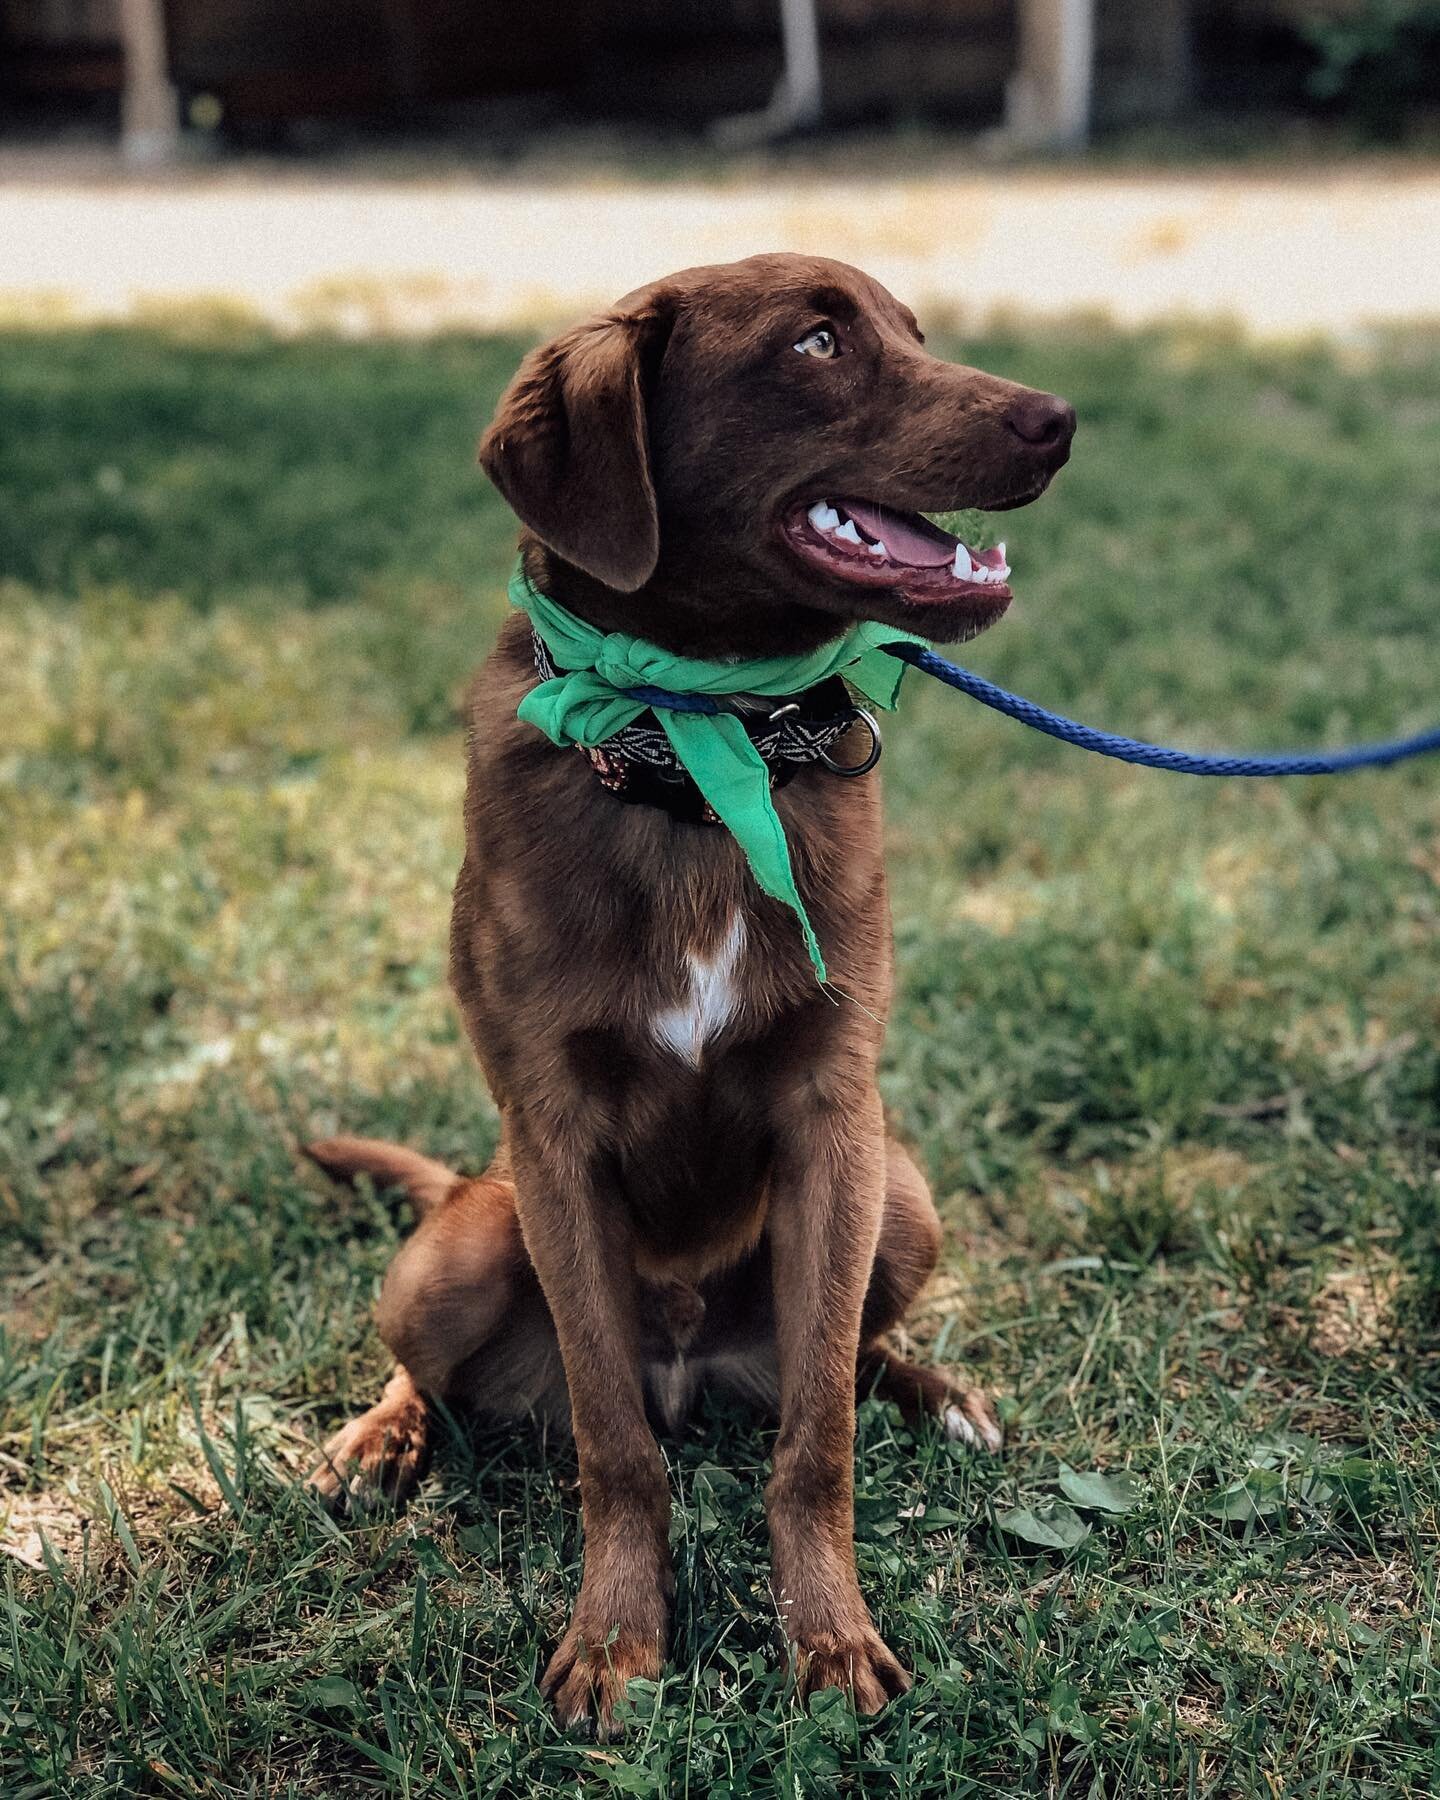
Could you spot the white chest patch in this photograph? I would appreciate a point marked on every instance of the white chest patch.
(711, 1001)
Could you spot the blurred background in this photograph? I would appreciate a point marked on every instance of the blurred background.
(416, 163)
(1045, 73)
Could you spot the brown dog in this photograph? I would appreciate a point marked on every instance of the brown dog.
(695, 1181)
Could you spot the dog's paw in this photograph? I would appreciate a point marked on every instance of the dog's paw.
(860, 1663)
(969, 1418)
(375, 1460)
(584, 1685)
(964, 1414)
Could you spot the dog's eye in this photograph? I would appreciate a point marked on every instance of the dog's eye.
(821, 342)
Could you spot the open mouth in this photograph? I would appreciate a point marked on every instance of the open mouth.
(874, 546)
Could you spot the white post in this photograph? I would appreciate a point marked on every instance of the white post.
(150, 118)
(800, 37)
(1048, 101)
(796, 101)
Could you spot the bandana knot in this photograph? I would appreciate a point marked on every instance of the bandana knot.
(589, 700)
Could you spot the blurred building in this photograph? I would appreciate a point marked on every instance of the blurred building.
(1049, 69)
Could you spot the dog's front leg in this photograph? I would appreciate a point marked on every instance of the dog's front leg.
(825, 1216)
(579, 1245)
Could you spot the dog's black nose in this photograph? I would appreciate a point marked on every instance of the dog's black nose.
(1044, 421)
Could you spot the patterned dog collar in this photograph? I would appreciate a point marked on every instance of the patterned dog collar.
(639, 764)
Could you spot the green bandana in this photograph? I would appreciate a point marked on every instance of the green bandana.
(585, 704)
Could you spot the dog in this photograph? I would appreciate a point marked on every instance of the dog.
(695, 1183)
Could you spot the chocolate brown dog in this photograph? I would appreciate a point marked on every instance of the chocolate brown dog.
(695, 1183)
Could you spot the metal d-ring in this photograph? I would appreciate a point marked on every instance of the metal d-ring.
(868, 720)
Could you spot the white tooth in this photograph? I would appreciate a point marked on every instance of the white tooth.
(878, 548)
(961, 567)
(847, 533)
(823, 516)
(1004, 566)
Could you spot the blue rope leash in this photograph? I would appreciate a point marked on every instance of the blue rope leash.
(1157, 756)
(653, 696)
(1108, 743)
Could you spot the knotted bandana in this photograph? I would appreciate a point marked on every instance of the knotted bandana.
(589, 701)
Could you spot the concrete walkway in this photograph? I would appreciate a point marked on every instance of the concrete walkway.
(1335, 251)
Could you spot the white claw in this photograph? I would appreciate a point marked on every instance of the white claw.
(847, 533)
(958, 1427)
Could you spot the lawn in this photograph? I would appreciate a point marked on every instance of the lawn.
(1168, 1048)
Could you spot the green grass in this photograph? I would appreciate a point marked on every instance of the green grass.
(1168, 1049)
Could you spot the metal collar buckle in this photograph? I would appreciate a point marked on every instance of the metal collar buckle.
(872, 725)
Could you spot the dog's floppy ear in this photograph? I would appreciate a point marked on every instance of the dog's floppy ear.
(569, 444)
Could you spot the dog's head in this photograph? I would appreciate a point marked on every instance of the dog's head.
(759, 440)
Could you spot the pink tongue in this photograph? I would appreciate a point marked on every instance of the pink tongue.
(906, 536)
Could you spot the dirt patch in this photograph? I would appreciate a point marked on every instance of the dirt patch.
(1354, 1311)
(1309, 250)
(30, 1521)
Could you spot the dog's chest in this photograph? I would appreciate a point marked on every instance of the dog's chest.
(709, 996)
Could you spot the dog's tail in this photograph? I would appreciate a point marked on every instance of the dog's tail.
(426, 1183)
